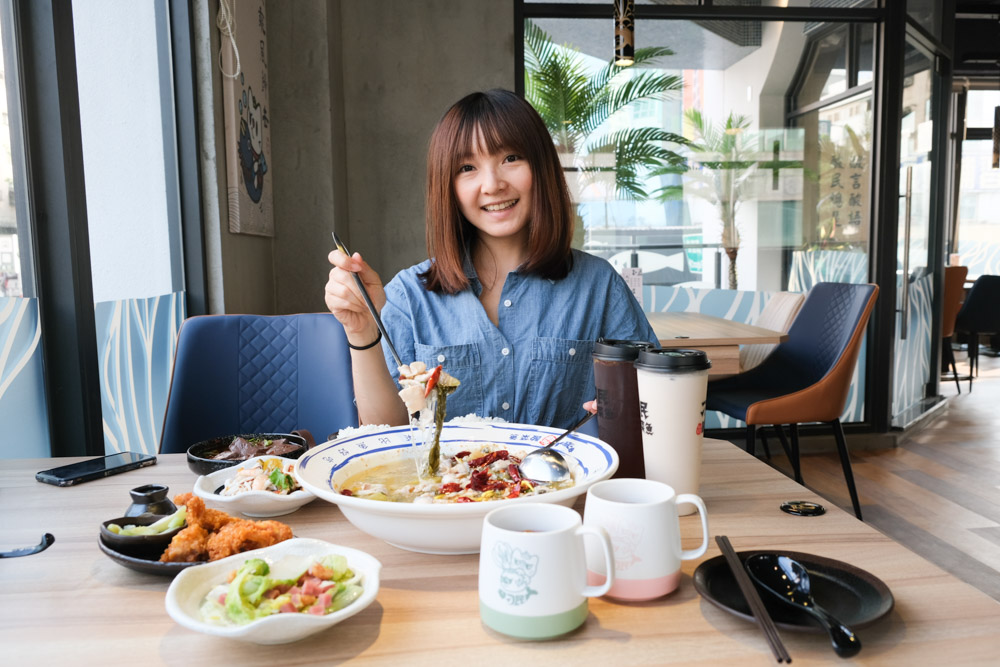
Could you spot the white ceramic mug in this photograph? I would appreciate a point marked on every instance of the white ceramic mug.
(640, 515)
(533, 571)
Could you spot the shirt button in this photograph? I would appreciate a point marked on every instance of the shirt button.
(508, 303)
(572, 351)
(440, 358)
(505, 405)
(505, 351)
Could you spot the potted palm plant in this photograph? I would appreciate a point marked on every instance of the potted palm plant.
(576, 105)
(721, 174)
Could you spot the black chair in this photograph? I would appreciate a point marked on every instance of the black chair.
(258, 374)
(807, 378)
(980, 314)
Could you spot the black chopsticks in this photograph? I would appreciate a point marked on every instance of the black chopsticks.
(368, 301)
(753, 599)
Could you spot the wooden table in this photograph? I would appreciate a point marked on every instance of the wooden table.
(71, 605)
(719, 338)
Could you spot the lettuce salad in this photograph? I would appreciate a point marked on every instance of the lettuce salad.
(324, 586)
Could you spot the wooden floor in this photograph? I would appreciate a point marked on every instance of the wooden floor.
(938, 492)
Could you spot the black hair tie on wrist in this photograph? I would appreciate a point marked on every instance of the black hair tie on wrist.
(369, 345)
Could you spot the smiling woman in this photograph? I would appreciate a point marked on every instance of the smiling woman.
(504, 302)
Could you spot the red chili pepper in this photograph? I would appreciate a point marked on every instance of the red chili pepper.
(515, 490)
(489, 458)
(514, 473)
(450, 487)
(462, 454)
(346, 492)
(463, 499)
(479, 480)
(432, 380)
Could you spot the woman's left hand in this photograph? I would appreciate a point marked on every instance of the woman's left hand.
(591, 406)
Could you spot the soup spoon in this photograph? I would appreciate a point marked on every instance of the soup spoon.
(788, 580)
(47, 540)
(546, 464)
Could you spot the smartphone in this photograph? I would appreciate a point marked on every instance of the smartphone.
(84, 471)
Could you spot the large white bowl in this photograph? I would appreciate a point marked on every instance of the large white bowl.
(257, 504)
(189, 588)
(440, 528)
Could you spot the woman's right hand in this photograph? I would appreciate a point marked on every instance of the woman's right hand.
(344, 299)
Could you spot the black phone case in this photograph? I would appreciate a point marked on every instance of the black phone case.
(48, 478)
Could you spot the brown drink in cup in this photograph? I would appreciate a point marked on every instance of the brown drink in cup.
(618, 401)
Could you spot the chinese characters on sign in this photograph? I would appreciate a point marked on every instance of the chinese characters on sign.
(843, 191)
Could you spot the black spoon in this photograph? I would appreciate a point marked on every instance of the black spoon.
(788, 580)
(47, 540)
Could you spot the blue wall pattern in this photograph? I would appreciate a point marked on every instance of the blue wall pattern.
(136, 339)
(982, 257)
(912, 357)
(826, 266)
(22, 384)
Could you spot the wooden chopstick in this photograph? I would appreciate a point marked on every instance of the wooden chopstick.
(753, 599)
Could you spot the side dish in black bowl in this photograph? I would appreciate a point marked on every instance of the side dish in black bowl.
(145, 546)
(208, 456)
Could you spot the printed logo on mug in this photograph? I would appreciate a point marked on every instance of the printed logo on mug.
(533, 570)
(640, 515)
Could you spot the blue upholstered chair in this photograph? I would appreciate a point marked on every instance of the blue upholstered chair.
(980, 314)
(807, 377)
(258, 374)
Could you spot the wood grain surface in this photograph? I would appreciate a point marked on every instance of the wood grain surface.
(72, 605)
(719, 338)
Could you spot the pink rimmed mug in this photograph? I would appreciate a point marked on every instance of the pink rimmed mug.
(640, 516)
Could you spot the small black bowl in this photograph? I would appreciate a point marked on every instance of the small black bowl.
(149, 547)
(199, 456)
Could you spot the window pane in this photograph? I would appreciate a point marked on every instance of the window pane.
(697, 178)
(130, 163)
(23, 407)
(826, 68)
(978, 202)
(979, 107)
(10, 245)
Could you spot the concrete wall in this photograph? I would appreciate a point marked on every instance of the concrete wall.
(356, 88)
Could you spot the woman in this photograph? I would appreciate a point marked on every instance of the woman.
(505, 304)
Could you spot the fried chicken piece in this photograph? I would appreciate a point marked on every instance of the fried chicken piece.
(188, 546)
(209, 519)
(243, 535)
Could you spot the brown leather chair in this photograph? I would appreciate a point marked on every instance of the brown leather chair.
(952, 295)
(808, 376)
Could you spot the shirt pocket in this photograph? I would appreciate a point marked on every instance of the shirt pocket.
(560, 379)
(462, 362)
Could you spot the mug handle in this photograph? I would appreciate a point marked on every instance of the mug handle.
(609, 560)
(703, 513)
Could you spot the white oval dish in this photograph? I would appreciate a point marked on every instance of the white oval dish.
(257, 504)
(189, 588)
(441, 528)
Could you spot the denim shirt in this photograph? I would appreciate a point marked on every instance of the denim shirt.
(535, 367)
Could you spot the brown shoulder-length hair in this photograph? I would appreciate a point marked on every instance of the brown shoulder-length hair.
(500, 120)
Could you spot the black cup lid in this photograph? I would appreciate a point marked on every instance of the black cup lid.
(672, 360)
(609, 349)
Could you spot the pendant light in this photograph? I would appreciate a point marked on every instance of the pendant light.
(624, 32)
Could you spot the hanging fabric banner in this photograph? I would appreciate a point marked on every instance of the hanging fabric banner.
(243, 60)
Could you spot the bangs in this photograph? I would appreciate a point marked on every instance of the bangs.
(489, 129)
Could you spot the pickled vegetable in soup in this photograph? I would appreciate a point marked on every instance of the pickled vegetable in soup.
(481, 474)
